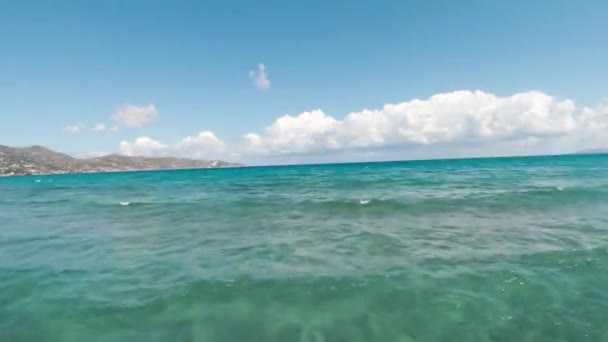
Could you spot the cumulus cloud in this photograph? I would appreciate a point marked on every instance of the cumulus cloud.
(303, 133)
(202, 145)
(460, 117)
(455, 124)
(259, 77)
(199, 146)
(142, 146)
(135, 116)
(73, 129)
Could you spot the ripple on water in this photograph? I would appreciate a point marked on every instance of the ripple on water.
(471, 250)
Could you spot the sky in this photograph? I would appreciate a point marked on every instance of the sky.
(304, 81)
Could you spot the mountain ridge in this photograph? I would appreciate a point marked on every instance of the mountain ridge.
(38, 159)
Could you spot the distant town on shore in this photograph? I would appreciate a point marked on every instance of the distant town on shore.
(34, 160)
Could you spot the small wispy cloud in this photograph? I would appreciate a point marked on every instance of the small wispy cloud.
(82, 128)
(99, 128)
(135, 116)
(73, 129)
(130, 116)
(259, 77)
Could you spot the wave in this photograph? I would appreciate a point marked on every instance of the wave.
(528, 197)
(310, 203)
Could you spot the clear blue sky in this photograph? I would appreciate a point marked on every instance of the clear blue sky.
(75, 62)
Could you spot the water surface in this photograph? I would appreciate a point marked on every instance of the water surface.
(508, 249)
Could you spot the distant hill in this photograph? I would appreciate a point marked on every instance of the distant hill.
(41, 160)
(593, 151)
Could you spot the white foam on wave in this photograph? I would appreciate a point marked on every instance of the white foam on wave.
(38, 180)
(124, 204)
(364, 201)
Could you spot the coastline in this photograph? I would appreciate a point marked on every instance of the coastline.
(84, 172)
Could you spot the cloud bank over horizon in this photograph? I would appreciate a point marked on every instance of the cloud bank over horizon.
(479, 122)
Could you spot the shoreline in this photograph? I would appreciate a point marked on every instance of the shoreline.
(119, 171)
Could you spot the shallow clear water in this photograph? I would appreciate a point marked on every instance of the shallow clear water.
(509, 249)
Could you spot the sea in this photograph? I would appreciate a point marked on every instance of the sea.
(495, 249)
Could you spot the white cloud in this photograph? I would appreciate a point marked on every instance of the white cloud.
(454, 124)
(199, 146)
(142, 146)
(91, 154)
(73, 129)
(99, 128)
(203, 145)
(306, 132)
(135, 116)
(260, 77)
(475, 118)
(81, 128)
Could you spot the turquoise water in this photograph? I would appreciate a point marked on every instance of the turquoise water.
(509, 249)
